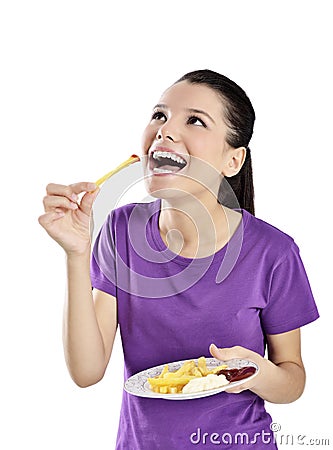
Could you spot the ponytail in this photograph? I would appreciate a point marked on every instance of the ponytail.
(242, 186)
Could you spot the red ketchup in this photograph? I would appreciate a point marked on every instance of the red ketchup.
(237, 374)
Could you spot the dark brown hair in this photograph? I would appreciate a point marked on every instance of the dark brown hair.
(239, 116)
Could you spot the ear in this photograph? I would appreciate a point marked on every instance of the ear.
(234, 162)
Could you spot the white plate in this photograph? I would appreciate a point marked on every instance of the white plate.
(139, 386)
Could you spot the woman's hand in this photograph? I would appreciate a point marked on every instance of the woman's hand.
(281, 377)
(225, 354)
(66, 219)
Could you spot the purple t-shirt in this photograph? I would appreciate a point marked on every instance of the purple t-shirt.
(172, 308)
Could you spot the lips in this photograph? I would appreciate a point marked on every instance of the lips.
(164, 160)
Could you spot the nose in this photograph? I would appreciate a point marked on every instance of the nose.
(167, 132)
(161, 137)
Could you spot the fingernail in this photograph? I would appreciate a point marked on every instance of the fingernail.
(74, 205)
(74, 197)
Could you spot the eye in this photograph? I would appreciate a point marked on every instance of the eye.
(158, 115)
(194, 120)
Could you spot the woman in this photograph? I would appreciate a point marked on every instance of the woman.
(193, 273)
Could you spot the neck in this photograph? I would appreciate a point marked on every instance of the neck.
(196, 228)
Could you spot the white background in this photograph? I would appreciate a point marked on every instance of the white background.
(78, 81)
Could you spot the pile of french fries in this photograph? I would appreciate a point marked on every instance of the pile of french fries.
(173, 382)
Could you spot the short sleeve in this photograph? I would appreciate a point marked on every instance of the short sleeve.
(290, 301)
(103, 261)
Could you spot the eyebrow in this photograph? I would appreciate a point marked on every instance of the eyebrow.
(192, 110)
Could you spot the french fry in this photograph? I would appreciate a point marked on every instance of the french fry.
(196, 372)
(133, 158)
(185, 368)
(164, 371)
(202, 366)
(174, 389)
(163, 389)
(173, 382)
(216, 369)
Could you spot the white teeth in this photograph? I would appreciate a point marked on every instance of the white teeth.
(158, 154)
(157, 170)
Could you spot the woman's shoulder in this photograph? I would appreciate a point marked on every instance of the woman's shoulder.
(267, 234)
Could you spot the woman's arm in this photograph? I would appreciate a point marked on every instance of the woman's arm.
(90, 319)
(89, 325)
(281, 377)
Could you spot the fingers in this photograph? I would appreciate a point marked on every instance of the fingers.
(51, 202)
(77, 188)
(237, 352)
(47, 219)
(68, 190)
(62, 196)
(88, 200)
(225, 354)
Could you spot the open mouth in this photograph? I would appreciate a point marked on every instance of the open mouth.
(166, 162)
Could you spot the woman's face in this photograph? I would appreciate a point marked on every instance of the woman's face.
(185, 142)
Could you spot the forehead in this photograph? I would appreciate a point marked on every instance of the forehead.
(188, 95)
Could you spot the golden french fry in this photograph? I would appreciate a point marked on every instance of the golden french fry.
(170, 375)
(185, 368)
(216, 369)
(163, 390)
(196, 372)
(133, 158)
(202, 366)
(173, 382)
(164, 371)
(173, 390)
